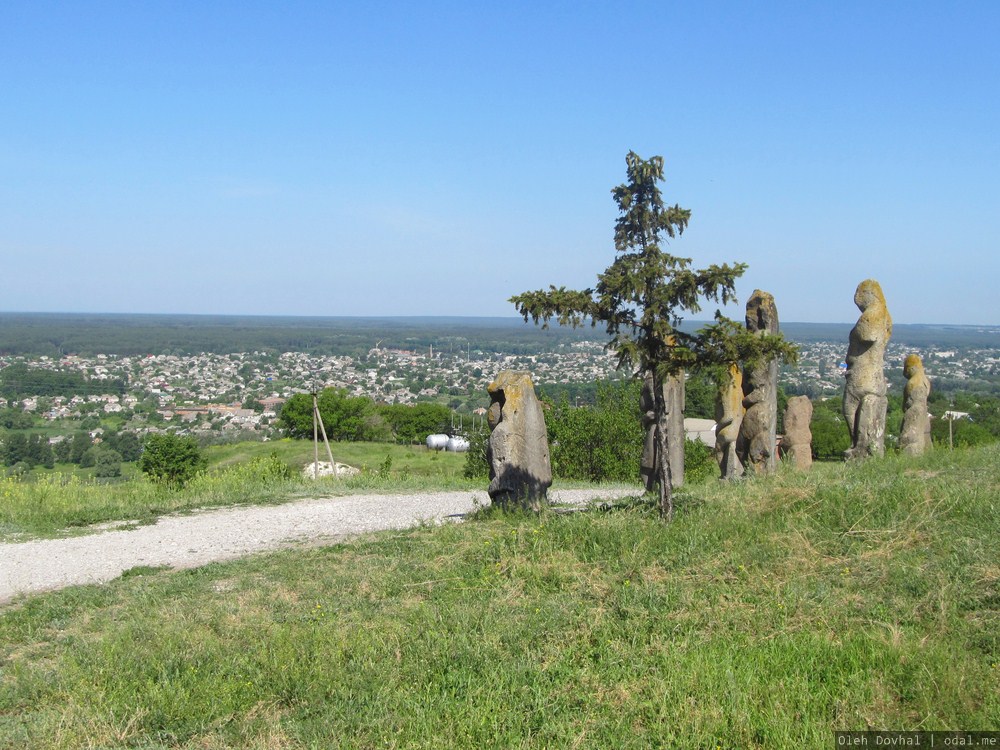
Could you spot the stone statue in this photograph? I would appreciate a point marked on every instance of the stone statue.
(757, 442)
(797, 442)
(865, 402)
(915, 437)
(518, 449)
(728, 418)
(673, 397)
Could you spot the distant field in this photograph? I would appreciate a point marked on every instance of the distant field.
(770, 613)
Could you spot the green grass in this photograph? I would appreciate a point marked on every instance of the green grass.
(51, 503)
(130, 470)
(405, 459)
(767, 615)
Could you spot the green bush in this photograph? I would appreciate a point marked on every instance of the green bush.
(476, 464)
(344, 417)
(601, 443)
(171, 458)
(699, 462)
(108, 463)
(412, 423)
(830, 434)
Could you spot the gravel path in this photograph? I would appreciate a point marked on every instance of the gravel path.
(192, 540)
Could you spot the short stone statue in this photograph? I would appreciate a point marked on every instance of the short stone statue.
(673, 397)
(518, 449)
(797, 441)
(757, 442)
(728, 418)
(915, 437)
(865, 402)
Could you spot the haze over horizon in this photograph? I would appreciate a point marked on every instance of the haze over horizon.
(402, 160)
(690, 323)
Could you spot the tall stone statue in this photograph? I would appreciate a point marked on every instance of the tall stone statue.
(797, 441)
(728, 418)
(673, 397)
(518, 449)
(915, 437)
(865, 402)
(757, 442)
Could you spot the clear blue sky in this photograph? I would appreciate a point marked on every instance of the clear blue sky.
(327, 158)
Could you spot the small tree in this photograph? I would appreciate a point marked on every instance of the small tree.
(171, 458)
(642, 295)
(108, 463)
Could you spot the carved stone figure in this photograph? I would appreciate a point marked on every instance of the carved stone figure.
(797, 441)
(915, 437)
(865, 401)
(757, 443)
(728, 418)
(673, 397)
(518, 449)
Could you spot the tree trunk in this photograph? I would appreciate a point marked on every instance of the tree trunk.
(663, 450)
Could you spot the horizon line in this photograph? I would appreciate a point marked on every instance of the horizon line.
(507, 318)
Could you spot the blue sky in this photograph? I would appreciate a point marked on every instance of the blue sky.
(323, 158)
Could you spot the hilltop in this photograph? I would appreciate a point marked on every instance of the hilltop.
(769, 614)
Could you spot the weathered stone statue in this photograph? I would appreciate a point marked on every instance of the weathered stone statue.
(915, 437)
(798, 437)
(757, 442)
(673, 397)
(518, 449)
(728, 418)
(865, 401)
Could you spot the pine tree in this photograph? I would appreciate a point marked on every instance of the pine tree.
(642, 296)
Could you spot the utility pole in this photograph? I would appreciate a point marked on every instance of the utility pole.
(317, 419)
(315, 438)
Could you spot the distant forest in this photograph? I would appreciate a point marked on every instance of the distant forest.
(56, 335)
(60, 334)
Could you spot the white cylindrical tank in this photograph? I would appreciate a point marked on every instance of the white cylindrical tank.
(457, 445)
(437, 442)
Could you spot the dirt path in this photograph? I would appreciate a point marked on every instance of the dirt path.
(193, 540)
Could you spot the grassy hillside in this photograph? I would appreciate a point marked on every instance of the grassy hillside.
(769, 614)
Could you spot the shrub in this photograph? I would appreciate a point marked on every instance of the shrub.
(412, 423)
(171, 458)
(830, 435)
(699, 461)
(345, 417)
(108, 463)
(603, 443)
(476, 464)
